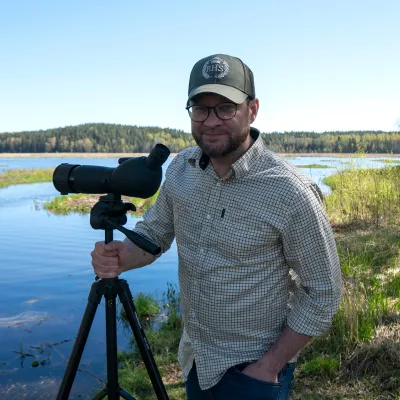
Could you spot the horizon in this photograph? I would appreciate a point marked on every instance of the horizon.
(189, 133)
(317, 67)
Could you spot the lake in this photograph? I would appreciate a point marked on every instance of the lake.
(47, 274)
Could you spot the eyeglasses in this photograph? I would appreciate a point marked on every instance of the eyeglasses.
(222, 111)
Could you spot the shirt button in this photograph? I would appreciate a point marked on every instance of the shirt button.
(201, 251)
(218, 184)
(208, 216)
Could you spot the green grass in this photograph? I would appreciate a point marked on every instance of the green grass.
(392, 287)
(163, 334)
(82, 203)
(313, 166)
(364, 196)
(20, 176)
(78, 203)
(146, 306)
(325, 366)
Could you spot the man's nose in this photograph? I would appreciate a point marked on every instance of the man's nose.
(212, 119)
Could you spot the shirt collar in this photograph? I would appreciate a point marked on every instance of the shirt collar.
(244, 164)
(241, 167)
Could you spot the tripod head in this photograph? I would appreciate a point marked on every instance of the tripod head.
(110, 213)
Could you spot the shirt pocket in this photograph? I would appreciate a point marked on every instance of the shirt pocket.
(243, 235)
(187, 222)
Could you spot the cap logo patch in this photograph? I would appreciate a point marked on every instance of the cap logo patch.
(215, 68)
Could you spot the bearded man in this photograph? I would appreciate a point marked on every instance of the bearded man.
(258, 268)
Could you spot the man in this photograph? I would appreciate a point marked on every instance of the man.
(258, 267)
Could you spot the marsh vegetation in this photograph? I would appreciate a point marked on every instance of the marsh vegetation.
(20, 176)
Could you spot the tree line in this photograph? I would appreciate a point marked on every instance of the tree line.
(334, 142)
(114, 138)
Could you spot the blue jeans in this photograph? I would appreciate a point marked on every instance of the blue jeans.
(235, 385)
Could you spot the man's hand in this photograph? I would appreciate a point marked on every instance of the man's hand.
(268, 366)
(259, 371)
(110, 260)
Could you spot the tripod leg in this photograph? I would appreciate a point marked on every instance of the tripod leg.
(111, 336)
(125, 395)
(125, 296)
(83, 333)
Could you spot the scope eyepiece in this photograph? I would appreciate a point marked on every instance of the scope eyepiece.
(157, 156)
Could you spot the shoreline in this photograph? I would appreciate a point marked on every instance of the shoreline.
(117, 155)
(74, 155)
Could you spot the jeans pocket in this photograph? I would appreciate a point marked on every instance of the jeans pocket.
(238, 386)
(286, 377)
(254, 380)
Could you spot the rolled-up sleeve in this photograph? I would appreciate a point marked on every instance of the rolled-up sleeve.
(310, 251)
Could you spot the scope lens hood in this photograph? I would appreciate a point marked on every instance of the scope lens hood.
(61, 176)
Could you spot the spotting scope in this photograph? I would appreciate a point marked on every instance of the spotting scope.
(134, 177)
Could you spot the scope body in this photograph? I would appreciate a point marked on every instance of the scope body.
(134, 177)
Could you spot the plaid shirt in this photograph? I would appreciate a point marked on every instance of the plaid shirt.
(256, 252)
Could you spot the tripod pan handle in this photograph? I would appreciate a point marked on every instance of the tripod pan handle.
(140, 240)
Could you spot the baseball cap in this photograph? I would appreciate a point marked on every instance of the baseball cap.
(224, 75)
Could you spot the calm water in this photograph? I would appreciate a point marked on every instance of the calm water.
(46, 277)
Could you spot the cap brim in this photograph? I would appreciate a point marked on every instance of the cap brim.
(229, 92)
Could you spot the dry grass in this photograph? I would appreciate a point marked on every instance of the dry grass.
(380, 357)
(355, 389)
(371, 372)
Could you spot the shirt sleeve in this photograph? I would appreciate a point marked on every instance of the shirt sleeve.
(310, 251)
(158, 221)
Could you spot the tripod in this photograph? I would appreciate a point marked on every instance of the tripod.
(108, 214)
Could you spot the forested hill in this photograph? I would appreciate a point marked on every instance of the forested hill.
(95, 138)
(113, 138)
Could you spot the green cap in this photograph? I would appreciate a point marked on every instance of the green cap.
(224, 75)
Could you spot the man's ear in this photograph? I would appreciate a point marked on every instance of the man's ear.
(253, 107)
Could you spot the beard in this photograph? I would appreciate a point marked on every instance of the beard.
(220, 148)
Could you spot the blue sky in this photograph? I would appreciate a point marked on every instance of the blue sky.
(318, 65)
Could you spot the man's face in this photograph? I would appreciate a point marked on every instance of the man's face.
(218, 138)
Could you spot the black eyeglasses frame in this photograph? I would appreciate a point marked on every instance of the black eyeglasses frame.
(209, 110)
